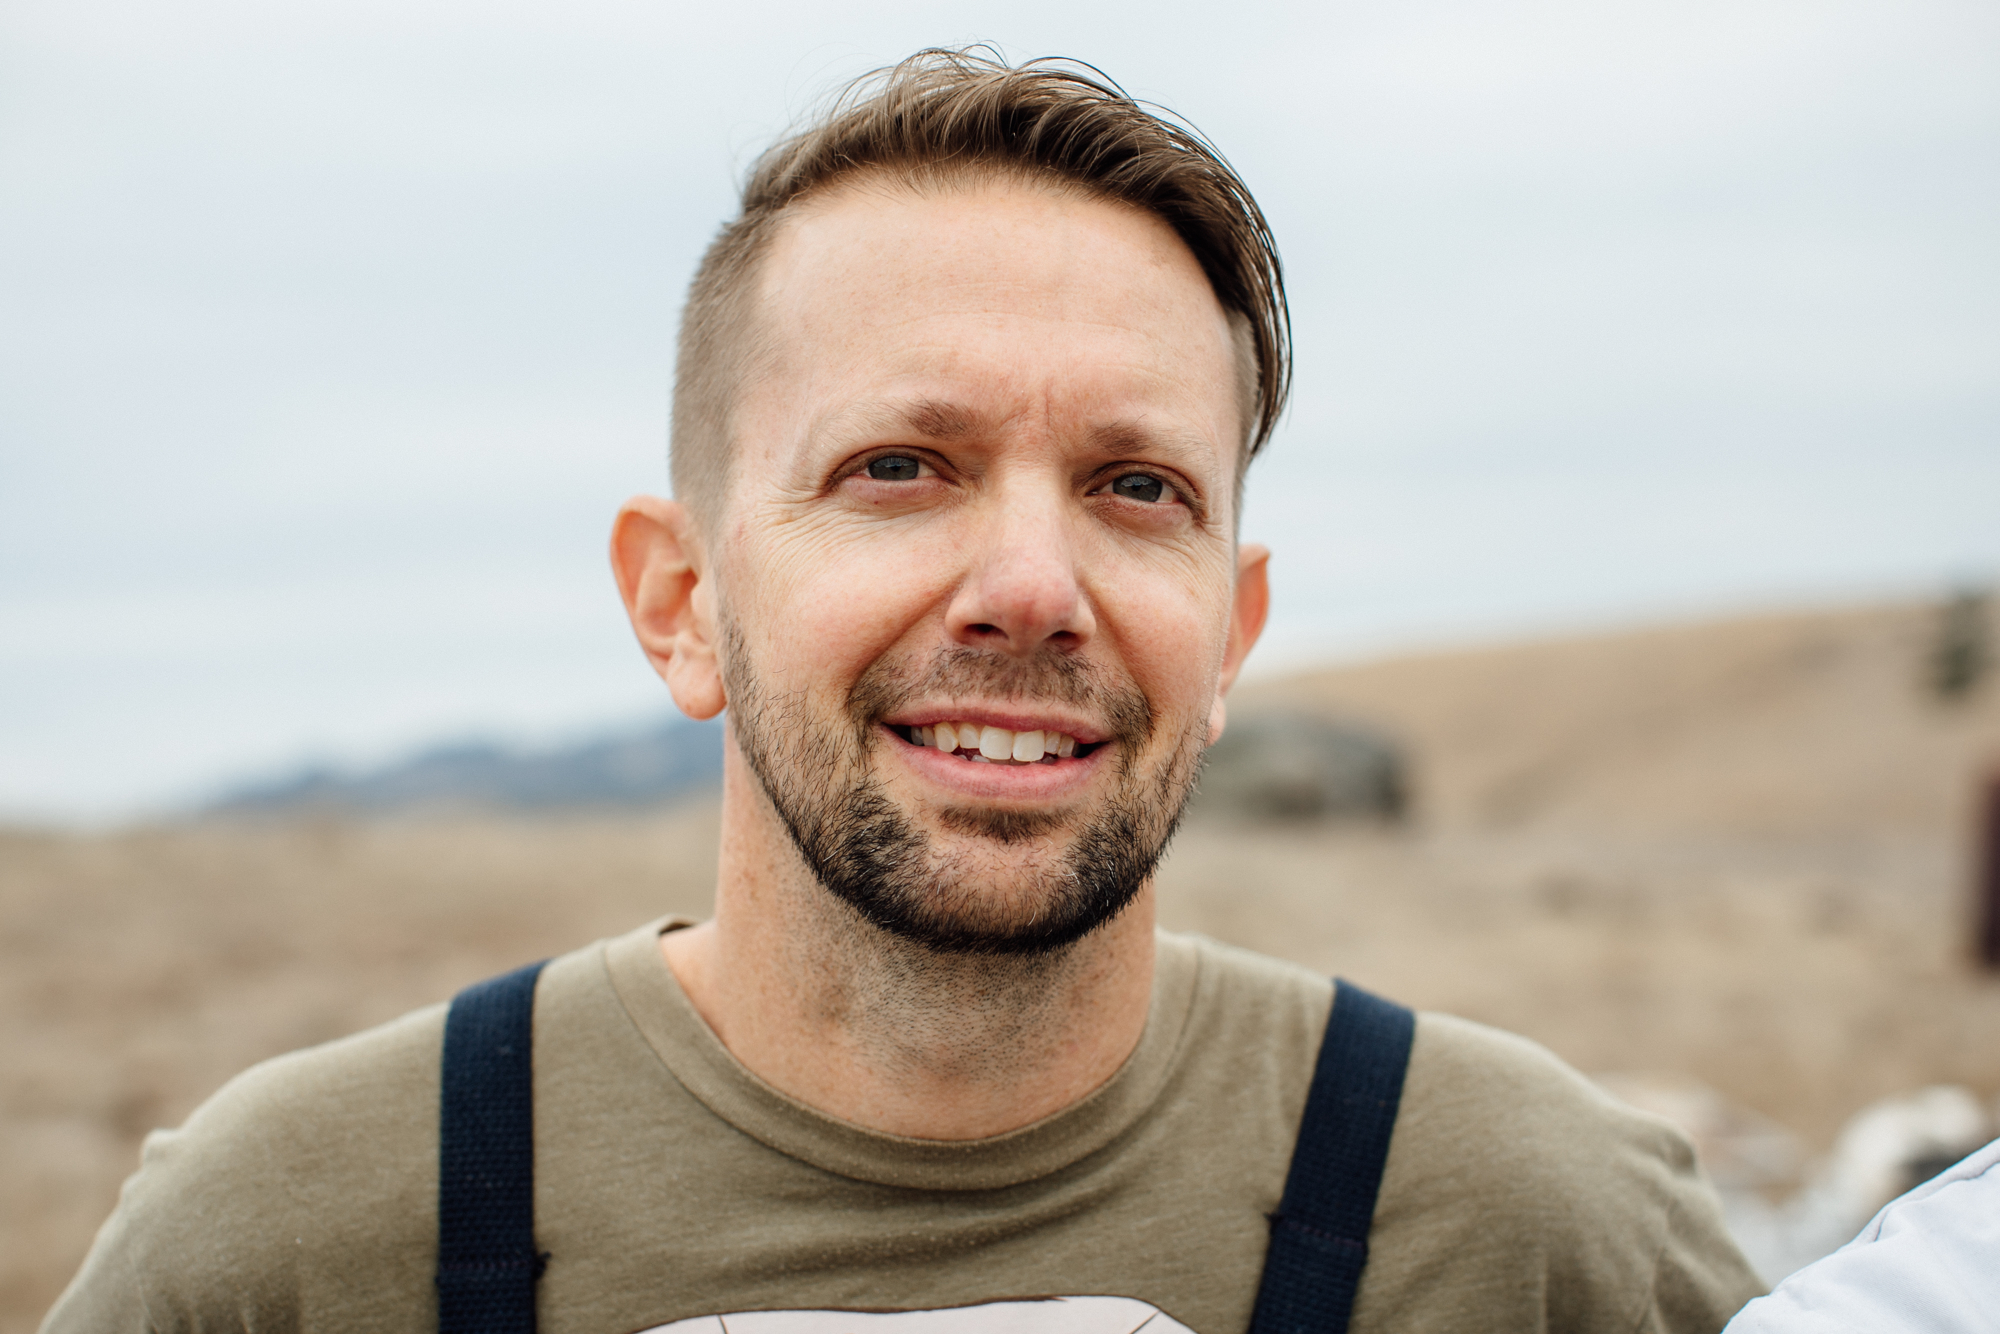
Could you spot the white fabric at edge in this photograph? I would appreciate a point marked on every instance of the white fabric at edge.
(1929, 1261)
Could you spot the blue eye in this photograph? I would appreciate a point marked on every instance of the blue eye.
(894, 468)
(1140, 486)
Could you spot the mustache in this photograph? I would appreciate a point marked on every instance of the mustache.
(963, 672)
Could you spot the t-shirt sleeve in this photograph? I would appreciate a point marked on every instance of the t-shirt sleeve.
(1520, 1196)
(1701, 1279)
(307, 1183)
(104, 1295)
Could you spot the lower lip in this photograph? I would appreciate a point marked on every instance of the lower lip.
(1017, 782)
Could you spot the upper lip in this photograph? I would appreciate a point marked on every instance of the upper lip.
(1011, 720)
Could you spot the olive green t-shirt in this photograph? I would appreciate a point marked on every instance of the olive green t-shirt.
(672, 1185)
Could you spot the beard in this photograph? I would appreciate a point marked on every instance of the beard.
(868, 852)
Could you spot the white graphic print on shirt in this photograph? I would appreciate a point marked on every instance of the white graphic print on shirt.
(1035, 1315)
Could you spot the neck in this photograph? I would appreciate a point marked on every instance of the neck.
(888, 1034)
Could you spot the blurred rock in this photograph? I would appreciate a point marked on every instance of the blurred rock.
(1302, 767)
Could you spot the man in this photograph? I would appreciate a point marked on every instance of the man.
(964, 403)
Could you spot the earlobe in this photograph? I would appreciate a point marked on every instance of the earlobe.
(655, 556)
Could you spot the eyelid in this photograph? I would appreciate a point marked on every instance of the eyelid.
(858, 466)
(1166, 476)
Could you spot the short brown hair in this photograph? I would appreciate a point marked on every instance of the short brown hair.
(941, 112)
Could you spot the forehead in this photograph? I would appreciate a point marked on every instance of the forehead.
(992, 297)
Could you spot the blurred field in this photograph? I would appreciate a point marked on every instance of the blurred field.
(1735, 851)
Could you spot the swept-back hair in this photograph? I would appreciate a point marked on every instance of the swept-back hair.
(934, 117)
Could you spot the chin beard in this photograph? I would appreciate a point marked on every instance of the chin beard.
(868, 852)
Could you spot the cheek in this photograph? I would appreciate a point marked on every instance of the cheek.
(1178, 682)
(1170, 632)
(826, 612)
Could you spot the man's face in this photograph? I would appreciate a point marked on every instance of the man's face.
(975, 565)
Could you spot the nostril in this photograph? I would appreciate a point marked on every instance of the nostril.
(982, 628)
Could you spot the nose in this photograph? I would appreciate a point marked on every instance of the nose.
(1021, 592)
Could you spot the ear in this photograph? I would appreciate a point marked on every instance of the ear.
(1246, 622)
(656, 556)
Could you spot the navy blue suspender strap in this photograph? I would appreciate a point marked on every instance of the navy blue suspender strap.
(1319, 1236)
(487, 1261)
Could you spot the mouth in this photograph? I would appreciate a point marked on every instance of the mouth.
(976, 743)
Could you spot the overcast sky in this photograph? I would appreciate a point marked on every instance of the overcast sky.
(332, 334)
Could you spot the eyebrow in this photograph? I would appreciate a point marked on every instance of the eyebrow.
(1128, 438)
(1132, 439)
(938, 420)
(931, 418)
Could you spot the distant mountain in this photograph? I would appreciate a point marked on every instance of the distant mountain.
(669, 760)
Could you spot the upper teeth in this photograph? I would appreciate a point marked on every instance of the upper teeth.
(995, 743)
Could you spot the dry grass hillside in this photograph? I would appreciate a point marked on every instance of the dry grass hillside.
(1803, 726)
(1735, 851)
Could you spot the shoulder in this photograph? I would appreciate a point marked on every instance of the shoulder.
(1517, 1194)
(1468, 1089)
(1503, 1105)
(309, 1135)
(1481, 1108)
(304, 1189)
(317, 1109)
(1513, 1179)
(308, 1183)
(303, 1172)
(1498, 1122)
